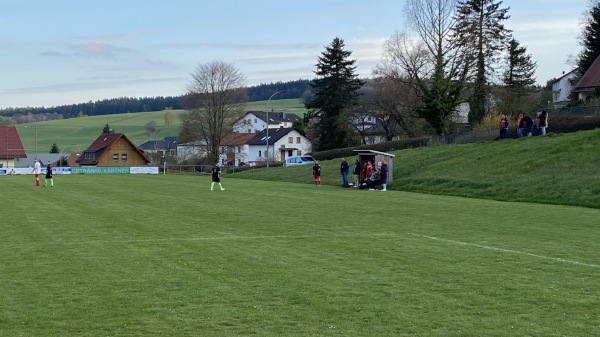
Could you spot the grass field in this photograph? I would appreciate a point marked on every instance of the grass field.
(163, 256)
(76, 134)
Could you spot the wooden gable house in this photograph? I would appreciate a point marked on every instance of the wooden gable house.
(112, 149)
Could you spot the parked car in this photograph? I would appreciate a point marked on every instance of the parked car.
(299, 160)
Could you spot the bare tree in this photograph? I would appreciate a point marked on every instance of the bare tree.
(431, 63)
(216, 97)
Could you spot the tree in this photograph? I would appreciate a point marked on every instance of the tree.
(433, 66)
(216, 97)
(54, 149)
(169, 117)
(590, 37)
(151, 127)
(479, 24)
(518, 78)
(106, 129)
(335, 93)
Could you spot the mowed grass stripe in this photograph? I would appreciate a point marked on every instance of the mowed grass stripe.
(129, 256)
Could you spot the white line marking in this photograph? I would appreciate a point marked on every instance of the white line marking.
(509, 251)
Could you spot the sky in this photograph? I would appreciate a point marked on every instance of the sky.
(73, 51)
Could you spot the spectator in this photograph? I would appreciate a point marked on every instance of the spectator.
(383, 172)
(520, 126)
(527, 125)
(344, 168)
(543, 123)
(356, 173)
(503, 126)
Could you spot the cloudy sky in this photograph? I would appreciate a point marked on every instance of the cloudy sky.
(71, 51)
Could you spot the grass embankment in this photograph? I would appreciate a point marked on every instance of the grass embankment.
(554, 169)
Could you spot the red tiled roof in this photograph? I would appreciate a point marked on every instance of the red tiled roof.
(10, 143)
(236, 138)
(590, 79)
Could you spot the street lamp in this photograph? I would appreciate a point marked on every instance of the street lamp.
(268, 101)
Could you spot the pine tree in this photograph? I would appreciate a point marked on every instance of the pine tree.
(479, 24)
(518, 79)
(519, 75)
(54, 148)
(335, 92)
(590, 39)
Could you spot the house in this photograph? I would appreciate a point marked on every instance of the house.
(235, 149)
(587, 86)
(562, 86)
(157, 149)
(282, 142)
(10, 146)
(191, 150)
(112, 149)
(255, 121)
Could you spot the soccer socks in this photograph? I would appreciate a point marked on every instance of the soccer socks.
(212, 186)
(51, 182)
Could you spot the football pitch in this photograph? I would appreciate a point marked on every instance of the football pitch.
(129, 255)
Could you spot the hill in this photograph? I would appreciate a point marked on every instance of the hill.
(76, 134)
(557, 169)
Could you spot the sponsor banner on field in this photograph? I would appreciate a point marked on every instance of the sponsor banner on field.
(143, 170)
(2, 171)
(58, 170)
(29, 170)
(100, 170)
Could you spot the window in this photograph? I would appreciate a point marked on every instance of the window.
(255, 120)
(297, 140)
(259, 153)
(90, 155)
(124, 157)
(290, 140)
(299, 152)
(239, 149)
(115, 156)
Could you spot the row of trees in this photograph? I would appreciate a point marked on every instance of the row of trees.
(455, 51)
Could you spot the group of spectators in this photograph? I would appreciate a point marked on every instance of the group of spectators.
(373, 176)
(526, 126)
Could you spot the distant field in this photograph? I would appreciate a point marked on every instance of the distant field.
(163, 256)
(76, 134)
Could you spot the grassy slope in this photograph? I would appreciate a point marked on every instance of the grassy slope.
(555, 169)
(76, 134)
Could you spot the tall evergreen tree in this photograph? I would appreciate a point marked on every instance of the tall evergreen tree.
(518, 80)
(590, 37)
(54, 148)
(479, 24)
(519, 74)
(335, 92)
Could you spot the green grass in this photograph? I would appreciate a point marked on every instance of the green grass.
(554, 169)
(163, 256)
(76, 134)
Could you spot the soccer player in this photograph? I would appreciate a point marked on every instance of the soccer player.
(317, 173)
(216, 177)
(48, 175)
(37, 169)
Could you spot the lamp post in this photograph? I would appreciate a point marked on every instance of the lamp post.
(268, 101)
